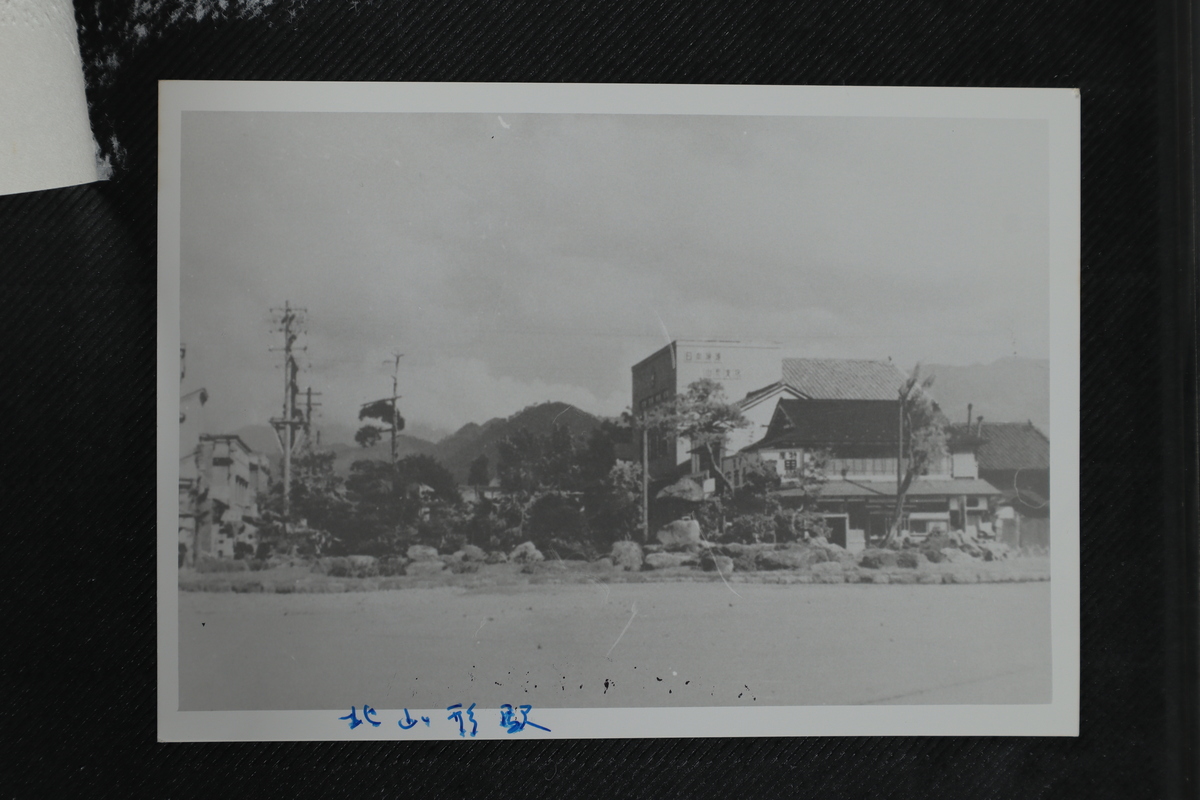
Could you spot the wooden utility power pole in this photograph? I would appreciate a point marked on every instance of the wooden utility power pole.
(645, 486)
(395, 374)
(286, 426)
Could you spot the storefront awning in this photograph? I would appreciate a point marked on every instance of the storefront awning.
(952, 487)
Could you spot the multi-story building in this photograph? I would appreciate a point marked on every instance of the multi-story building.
(857, 495)
(738, 366)
(218, 497)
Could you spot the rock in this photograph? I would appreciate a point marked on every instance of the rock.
(472, 553)
(425, 568)
(787, 559)
(956, 556)
(670, 560)
(497, 558)
(526, 553)
(682, 534)
(932, 554)
(627, 556)
(715, 563)
(995, 551)
(421, 552)
(877, 558)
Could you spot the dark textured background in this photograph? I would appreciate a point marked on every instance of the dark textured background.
(78, 420)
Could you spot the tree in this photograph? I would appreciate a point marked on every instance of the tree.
(703, 417)
(368, 435)
(613, 505)
(426, 469)
(922, 439)
(478, 474)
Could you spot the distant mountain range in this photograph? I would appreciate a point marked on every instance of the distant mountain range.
(1007, 390)
(455, 452)
(458, 450)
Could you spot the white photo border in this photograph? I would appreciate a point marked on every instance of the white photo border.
(1059, 107)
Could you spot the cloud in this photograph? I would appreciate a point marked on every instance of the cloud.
(537, 257)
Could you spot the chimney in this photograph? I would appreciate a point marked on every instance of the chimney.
(979, 425)
(970, 406)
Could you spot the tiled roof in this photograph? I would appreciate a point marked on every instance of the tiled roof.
(842, 379)
(834, 423)
(1012, 445)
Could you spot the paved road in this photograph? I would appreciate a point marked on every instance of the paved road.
(581, 646)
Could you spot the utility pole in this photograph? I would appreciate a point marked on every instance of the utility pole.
(285, 426)
(395, 374)
(309, 405)
(645, 485)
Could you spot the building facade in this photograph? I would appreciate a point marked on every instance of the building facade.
(1015, 458)
(219, 486)
(859, 442)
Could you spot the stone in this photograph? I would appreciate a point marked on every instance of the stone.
(627, 556)
(670, 560)
(425, 568)
(422, 552)
(785, 559)
(682, 534)
(956, 556)
(526, 553)
(716, 563)
(995, 551)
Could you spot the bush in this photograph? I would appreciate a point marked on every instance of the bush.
(243, 550)
(876, 558)
(221, 565)
(908, 559)
(753, 528)
(258, 564)
(553, 516)
(263, 552)
(390, 566)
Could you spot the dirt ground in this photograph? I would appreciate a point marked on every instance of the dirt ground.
(582, 646)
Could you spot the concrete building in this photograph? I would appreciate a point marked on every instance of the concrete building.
(739, 367)
(218, 497)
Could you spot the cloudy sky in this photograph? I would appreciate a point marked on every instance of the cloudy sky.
(518, 259)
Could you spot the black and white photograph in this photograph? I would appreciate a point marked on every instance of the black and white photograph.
(515, 412)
